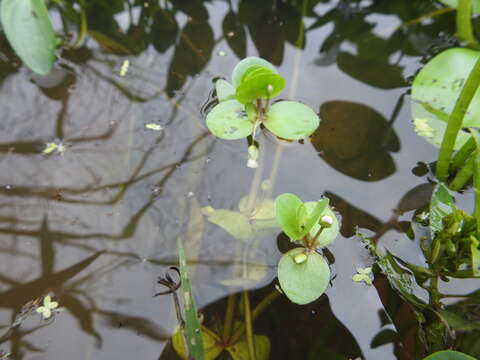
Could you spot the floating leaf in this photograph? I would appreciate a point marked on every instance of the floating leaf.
(240, 69)
(228, 120)
(29, 30)
(50, 147)
(239, 350)
(306, 281)
(291, 120)
(224, 90)
(235, 223)
(211, 344)
(435, 91)
(363, 275)
(164, 30)
(449, 355)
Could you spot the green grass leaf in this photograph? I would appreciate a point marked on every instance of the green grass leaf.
(29, 31)
(193, 335)
(291, 120)
(305, 281)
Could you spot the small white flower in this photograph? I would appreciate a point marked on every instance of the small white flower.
(300, 258)
(48, 306)
(252, 163)
(270, 88)
(326, 219)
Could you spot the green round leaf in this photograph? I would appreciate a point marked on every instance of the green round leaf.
(449, 355)
(224, 90)
(30, 32)
(454, 4)
(435, 91)
(306, 281)
(286, 208)
(328, 235)
(260, 84)
(240, 69)
(228, 120)
(291, 120)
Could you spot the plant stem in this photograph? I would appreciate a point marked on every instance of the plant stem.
(463, 175)
(476, 178)
(228, 323)
(424, 17)
(455, 121)
(259, 309)
(464, 22)
(462, 155)
(434, 295)
(248, 326)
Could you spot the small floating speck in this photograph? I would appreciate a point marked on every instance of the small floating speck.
(230, 34)
(124, 69)
(222, 53)
(51, 147)
(154, 127)
(190, 194)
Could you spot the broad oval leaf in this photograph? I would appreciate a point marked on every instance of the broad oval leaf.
(228, 120)
(29, 31)
(449, 355)
(454, 4)
(240, 69)
(286, 208)
(435, 91)
(291, 120)
(328, 235)
(224, 90)
(260, 84)
(306, 281)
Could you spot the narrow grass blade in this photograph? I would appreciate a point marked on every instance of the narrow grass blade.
(193, 335)
(464, 21)
(476, 178)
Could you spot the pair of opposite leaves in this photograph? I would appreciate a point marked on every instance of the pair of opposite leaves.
(235, 116)
(304, 280)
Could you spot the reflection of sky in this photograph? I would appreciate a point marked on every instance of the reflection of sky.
(93, 108)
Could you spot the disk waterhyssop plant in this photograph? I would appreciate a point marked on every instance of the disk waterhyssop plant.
(302, 272)
(244, 105)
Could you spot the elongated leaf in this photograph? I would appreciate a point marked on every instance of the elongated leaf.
(228, 120)
(286, 208)
(240, 69)
(30, 32)
(193, 335)
(291, 120)
(449, 355)
(234, 33)
(441, 205)
(235, 223)
(314, 215)
(305, 281)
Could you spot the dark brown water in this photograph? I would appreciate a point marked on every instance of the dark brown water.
(96, 224)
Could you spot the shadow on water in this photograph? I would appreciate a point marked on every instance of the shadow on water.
(95, 223)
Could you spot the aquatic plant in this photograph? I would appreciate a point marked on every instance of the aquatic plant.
(29, 31)
(302, 272)
(244, 106)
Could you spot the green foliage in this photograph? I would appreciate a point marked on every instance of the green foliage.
(449, 355)
(29, 31)
(303, 275)
(255, 83)
(454, 4)
(302, 272)
(191, 329)
(435, 91)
